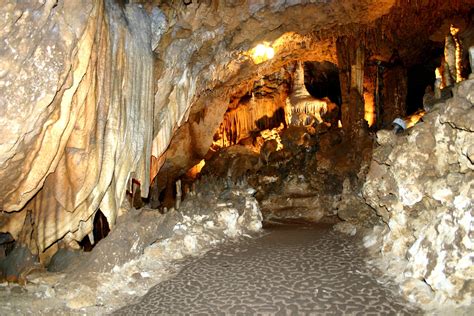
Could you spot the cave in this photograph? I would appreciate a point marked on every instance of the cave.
(295, 157)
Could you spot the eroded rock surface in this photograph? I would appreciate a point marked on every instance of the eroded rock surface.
(93, 92)
(422, 185)
(86, 130)
(142, 250)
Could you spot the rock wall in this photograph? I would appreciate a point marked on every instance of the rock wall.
(422, 185)
(92, 89)
(76, 141)
(204, 61)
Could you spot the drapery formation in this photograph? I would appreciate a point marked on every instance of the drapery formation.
(93, 136)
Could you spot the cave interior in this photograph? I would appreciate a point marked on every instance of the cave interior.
(177, 97)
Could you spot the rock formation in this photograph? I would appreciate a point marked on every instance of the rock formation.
(105, 99)
(305, 109)
(422, 185)
(66, 142)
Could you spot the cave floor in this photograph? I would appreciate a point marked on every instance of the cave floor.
(309, 269)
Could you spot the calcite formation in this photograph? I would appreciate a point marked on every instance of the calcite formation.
(304, 108)
(97, 95)
(141, 251)
(79, 139)
(263, 107)
(422, 185)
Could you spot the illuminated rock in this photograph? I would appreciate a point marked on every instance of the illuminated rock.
(305, 109)
(90, 129)
(422, 185)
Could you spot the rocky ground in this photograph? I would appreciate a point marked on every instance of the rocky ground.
(144, 249)
(310, 178)
(291, 270)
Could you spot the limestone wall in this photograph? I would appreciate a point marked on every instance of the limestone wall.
(422, 185)
(77, 117)
(91, 90)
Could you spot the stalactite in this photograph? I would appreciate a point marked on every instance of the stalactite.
(257, 114)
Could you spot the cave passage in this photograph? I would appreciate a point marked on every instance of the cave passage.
(179, 157)
(299, 270)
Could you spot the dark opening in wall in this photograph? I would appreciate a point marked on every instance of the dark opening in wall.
(7, 243)
(421, 76)
(322, 80)
(100, 231)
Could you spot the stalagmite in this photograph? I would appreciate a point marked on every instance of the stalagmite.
(437, 84)
(179, 194)
(450, 60)
(305, 109)
(91, 237)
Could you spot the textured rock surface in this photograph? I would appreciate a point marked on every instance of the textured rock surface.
(77, 82)
(305, 109)
(422, 185)
(90, 119)
(141, 251)
(221, 43)
(96, 93)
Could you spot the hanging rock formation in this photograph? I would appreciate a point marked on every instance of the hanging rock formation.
(74, 141)
(95, 94)
(263, 107)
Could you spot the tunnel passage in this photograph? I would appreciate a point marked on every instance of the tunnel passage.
(322, 80)
(166, 83)
(305, 106)
(284, 142)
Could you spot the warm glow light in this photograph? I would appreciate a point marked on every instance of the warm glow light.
(369, 108)
(194, 171)
(261, 53)
(439, 78)
(339, 124)
(274, 133)
(414, 118)
(454, 31)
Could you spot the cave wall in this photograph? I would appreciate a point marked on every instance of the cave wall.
(229, 72)
(421, 184)
(87, 129)
(98, 92)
